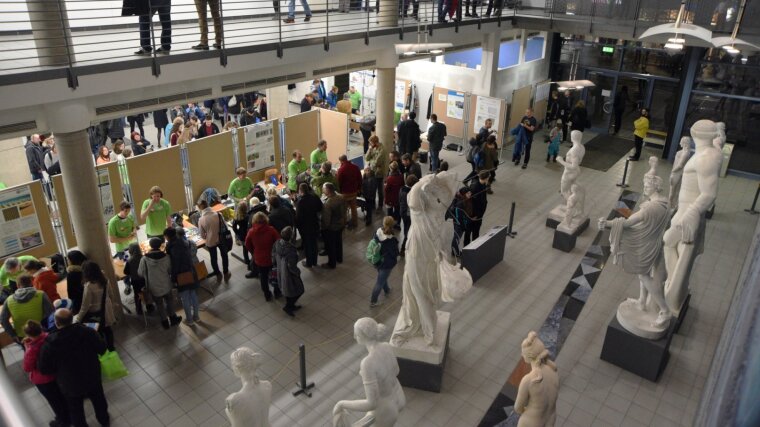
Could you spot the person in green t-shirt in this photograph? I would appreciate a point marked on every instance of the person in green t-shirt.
(318, 156)
(122, 229)
(241, 188)
(157, 213)
(356, 99)
(296, 167)
(9, 272)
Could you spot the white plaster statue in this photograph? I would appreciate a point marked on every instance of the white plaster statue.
(426, 249)
(684, 240)
(248, 407)
(636, 241)
(720, 140)
(682, 156)
(572, 164)
(384, 396)
(536, 400)
(574, 214)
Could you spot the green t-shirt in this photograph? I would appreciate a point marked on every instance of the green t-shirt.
(240, 188)
(294, 169)
(122, 227)
(6, 277)
(317, 158)
(356, 100)
(155, 222)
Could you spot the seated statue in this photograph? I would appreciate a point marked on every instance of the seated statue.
(536, 400)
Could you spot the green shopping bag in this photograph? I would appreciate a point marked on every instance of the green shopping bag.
(111, 366)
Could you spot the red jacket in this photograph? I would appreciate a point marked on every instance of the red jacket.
(259, 242)
(31, 355)
(349, 178)
(47, 282)
(392, 187)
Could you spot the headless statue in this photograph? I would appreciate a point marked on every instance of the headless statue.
(536, 400)
(684, 240)
(384, 396)
(682, 156)
(572, 164)
(248, 407)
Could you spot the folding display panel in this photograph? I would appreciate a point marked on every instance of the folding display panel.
(211, 162)
(25, 225)
(333, 128)
(256, 173)
(162, 168)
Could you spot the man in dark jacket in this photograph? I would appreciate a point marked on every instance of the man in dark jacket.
(35, 157)
(350, 183)
(410, 166)
(412, 134)
(280, 216)
(436, 135)
(479, 191)
(116, 129)
(308, 208)
(307, 102)
(160, 121)
(208, 127)
(71, 354)
(333, 221)
(145, 10)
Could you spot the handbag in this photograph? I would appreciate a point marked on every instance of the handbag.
(225, 235)
(111, 366)
(186, 278)
(232, 101)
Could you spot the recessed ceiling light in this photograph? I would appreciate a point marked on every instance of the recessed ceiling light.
(436, 51)
(410, 53)
(673, 46)
(677, 40)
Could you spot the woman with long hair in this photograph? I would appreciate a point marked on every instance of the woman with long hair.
(104, 156)
(177, 126)
(95, 283)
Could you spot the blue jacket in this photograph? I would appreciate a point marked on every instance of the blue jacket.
(196, 111)
(332, 99)
(521, 138)
(388, 249)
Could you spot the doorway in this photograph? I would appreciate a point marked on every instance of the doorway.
(599, 100)
(632, 94)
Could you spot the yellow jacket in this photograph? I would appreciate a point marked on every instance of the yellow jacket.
(641, 126)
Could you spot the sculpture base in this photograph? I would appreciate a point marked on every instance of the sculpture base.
(564, 239)
(555, 216)
(485, 252)
(643, 357)
(421, 365)
(640, 323)
(579, 228)
(682, 313)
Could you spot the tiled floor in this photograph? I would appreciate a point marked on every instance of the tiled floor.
(181, 377)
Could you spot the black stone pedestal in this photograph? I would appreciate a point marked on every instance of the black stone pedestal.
(421, 375)
(552, 223)
(563, 241)
(682, 314)
(645, 358)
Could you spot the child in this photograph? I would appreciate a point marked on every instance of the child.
(385, 235)
(137, 282)
(46, 384)
(369, 187)
(240, 226)
(555, 138)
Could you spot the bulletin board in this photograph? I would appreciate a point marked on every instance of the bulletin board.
(63, 212)
(454, 127)
(541, 100)
(520, 103)
(258, 175)
(162, 168)
(212, 163)
(301, 133)
(111, 207)
(333, 128)
(39, 208)
(499, 116)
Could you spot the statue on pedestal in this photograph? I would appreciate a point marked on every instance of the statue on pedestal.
(572, 164)
(684, 240)
(682, 156)
(384, 396)
(536, 400)
(248, 407)
(636, 241)
(574, 214)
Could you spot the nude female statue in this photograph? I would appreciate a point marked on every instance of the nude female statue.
(248, 407)
(537, 394)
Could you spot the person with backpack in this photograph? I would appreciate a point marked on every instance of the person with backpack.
(460, 211)
(472, 157)
(403, 204)
(489, 159)
(382, 252)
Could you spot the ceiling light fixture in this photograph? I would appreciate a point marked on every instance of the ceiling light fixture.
(673, 46)
(674, 34)
(729, 43)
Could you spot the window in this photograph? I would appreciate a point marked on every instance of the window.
(534, 48)
(470, 58)
(509, 54)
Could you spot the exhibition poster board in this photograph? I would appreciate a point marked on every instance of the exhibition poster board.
(211, 163)
(520, 103)
(109, 187)
(455, 105)
(25, 225)
(162, 168)
(63, 211)
(399, 95)
(252, 141)
(482, 108)
(454, 126)
(541, 100)
(301, 133)
(333, 128)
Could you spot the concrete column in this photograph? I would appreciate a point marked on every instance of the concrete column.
(490, 62)
(52, 37)
(388, 16)
(277, 102)
(386, 85)
(67, 122)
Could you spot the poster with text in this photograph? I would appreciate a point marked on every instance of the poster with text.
(259, 146)
(487, 108)
(400, 95)
(19, 226)
(106, 196)
(455, 105)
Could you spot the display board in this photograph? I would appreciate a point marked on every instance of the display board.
(333, 128)
(258, 174)
(301, 133)
(212, 164)
(162, 168)
(483, 107)
(109, 186)
(454, 126)
(25, 225)
(63, 212)
(541, 100)
(259, 146)
(520, 103)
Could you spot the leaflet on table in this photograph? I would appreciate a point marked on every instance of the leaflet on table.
(487, 108)
(19, 226)
(259, 146)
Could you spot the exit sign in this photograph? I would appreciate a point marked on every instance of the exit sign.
(608, 50)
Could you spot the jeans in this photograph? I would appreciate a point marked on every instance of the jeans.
(99, 403)
(407, 220)
(166, 28)
(369, 206)
(380, 186)
(381, 283)
(434, 160)
(394, 212)
(57, 402)
(212, 250)
(365, 136)
(472, 232)
(292, 8)
(165, 306)
(290, 303)
(264, 280)
(36, 176)
(190, 303)
(310, 248)
(516, 155)
(200, 7)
